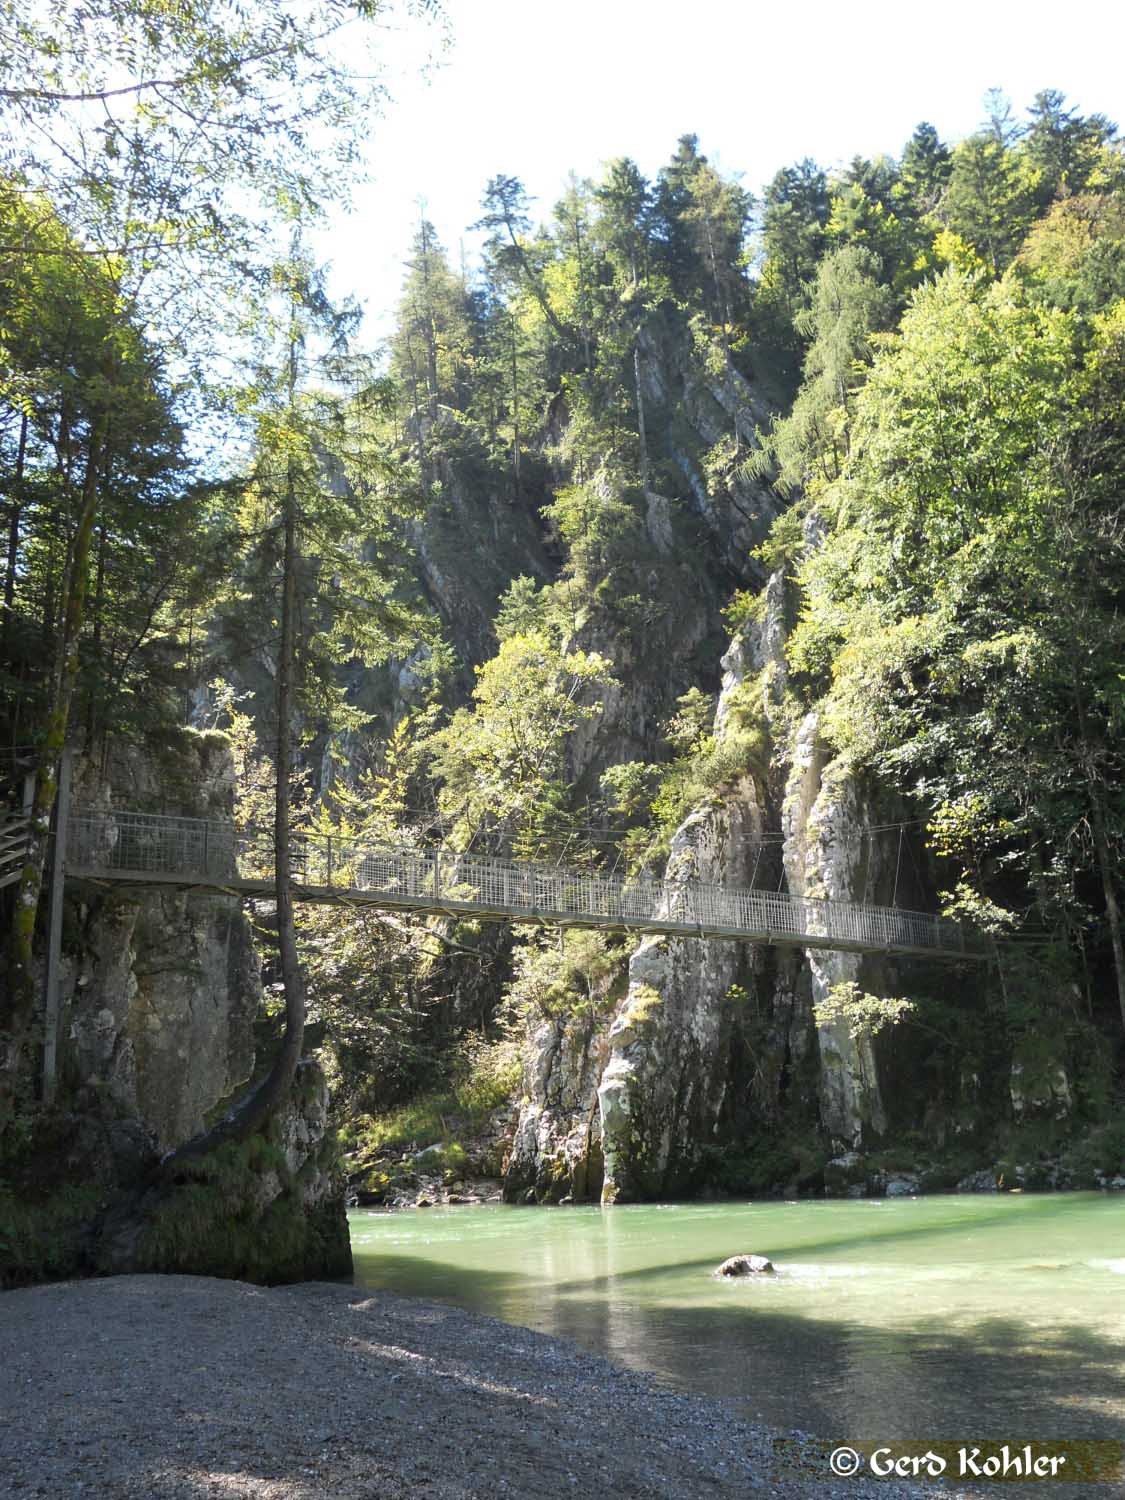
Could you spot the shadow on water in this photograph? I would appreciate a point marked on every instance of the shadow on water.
(964, 1373)
(1042, 1209)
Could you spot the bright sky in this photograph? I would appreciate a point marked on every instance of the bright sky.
(536, 89)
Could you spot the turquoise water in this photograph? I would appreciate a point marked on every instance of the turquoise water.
(942, 1317)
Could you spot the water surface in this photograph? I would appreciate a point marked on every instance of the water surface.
(941, 1317)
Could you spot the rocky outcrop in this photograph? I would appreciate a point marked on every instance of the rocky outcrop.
(160, 998)
(709, 414)
(663, 1091)
(160, 988)
(267, 1209)
(826, 856)
(715, 1046)
(556, 1150)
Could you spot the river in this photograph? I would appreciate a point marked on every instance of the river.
(939, 1317)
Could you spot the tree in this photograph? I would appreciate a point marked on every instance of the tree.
(333, 589)
(925, 167)
(809, 448)
(168, 136)
(501, 763)
(702, 219)
(88, 390)
(987, 201)
(964, 613)
(507, 221)
(794, 218)
(1061, 148)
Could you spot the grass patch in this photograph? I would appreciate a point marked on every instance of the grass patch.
(45, 1240)
(485, 1076)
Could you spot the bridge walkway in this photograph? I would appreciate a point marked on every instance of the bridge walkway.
(130, 848)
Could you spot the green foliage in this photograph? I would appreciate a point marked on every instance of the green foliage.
(212, 1223)
(483, 1075)
(572, 973)
(862, 1014)
(45, 1239)
(809, 447)
(500, 765)
(972, 542)
(488, 1072)
(768, 1166)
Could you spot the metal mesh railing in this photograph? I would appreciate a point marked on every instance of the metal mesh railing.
(126, 845)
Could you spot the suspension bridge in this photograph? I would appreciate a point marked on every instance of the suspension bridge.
(137, 849)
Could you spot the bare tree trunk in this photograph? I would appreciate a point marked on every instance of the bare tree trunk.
(281, 1075)
(431, 329)
(536, 288)
(96, 641)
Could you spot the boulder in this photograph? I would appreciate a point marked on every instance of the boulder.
(978, 1182)
(845, 1172)
(746, 1265)
(902, 1187)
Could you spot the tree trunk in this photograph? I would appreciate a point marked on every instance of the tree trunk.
(253, 1111)
(1102, 850)
(21, 971)
(515, 410)
(1109, 891)
(537, 291)
(281, 1075)
(14, 513)
(92, 705)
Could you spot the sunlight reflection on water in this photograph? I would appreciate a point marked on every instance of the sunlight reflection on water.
(945, 1316)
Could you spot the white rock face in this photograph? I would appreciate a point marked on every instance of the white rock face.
(557, 1146)
(663, 1089)
(662, 1071)
(160, 989)
(825, 858)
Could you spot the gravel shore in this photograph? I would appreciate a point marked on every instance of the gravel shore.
(181, 1386)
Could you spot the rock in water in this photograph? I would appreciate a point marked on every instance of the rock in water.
(746, 1265)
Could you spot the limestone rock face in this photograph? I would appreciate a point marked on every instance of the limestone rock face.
(716, 1041)
(663, 1090)
(160, 992)
(557, 1147)
(825, 856)
(160, 988)
(706, 406)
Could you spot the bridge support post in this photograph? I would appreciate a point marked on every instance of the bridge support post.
(54, 932)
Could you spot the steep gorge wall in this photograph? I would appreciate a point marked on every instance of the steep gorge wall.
(714, 1046)
(161, 997)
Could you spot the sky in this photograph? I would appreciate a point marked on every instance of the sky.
(535, 90)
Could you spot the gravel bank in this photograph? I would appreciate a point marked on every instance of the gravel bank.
(180, 1386)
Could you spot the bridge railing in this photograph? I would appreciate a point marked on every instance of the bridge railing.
(197, 851)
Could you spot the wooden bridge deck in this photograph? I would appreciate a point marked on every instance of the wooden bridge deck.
(144, 849)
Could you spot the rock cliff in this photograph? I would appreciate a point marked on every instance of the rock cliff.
(160, 998)
(714, 1051)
